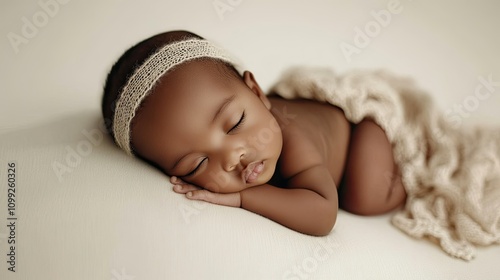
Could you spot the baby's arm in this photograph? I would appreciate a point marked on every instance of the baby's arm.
(309, 204)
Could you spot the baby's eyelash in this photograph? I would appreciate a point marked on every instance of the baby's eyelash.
(238, 124)
(195, 169)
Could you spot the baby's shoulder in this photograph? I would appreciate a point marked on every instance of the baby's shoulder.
(299, 152)
(311, 130)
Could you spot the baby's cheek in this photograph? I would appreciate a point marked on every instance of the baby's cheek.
(218, 182)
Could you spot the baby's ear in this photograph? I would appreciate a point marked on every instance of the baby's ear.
(251, 83)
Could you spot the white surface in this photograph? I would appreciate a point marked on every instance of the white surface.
(113, 217)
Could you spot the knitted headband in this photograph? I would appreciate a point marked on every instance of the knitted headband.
(145, 76)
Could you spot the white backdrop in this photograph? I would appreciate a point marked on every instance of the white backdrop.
(54, 63)
(110, 217)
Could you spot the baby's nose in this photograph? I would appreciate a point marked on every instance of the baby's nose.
(232, 167)
(234, 161)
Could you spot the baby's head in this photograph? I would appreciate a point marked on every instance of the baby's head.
(176, 101)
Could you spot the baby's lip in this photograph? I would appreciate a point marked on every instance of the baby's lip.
(252, 171)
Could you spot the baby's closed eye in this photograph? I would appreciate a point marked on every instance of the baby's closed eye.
(238, 124)
(195, 170)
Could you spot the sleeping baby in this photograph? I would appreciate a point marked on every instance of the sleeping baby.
(177, 101)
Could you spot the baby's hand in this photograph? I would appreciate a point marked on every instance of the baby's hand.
(197, 193)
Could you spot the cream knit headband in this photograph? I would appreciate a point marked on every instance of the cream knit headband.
(140, 84)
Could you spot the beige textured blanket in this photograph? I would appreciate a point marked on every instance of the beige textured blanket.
(451, 175)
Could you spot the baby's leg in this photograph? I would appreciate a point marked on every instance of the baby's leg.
(371, 184)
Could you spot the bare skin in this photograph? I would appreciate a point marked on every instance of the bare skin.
(291, 161)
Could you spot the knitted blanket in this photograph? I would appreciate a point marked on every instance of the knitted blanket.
(451, 174)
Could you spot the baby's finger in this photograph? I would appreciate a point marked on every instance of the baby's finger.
(231, 199)
(176, 180)
(184, 188)
(203, 195)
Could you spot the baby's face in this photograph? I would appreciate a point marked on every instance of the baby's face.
(209, 129)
